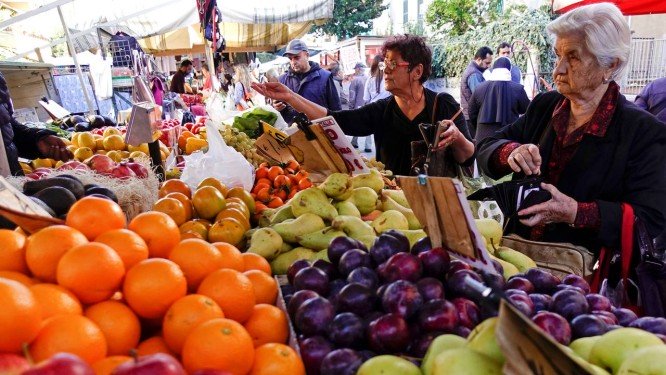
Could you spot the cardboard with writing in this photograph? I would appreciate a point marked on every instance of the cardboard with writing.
(21, 210)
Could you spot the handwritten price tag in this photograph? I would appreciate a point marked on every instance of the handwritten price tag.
(352, 159)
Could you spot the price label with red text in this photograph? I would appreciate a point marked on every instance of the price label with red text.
(353, 160)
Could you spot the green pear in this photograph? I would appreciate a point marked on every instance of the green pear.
(645, 361)
(345, 196)
(397, 195)
(265, 242)
(390, 219)
(372, 180)
(304, 224)
(336, 185)
(388, 365)
(508, 269)
(614, 347)
(596, 370)
(321, 255)
(281, 263)
(320, 239)
(265, 217)
(490, 229)
(365, 199)
(353, 226)
(465, 361)
(286, 246)
(315, 201)
(482, 339)
(439, 345)
(414, 235)
(518, 259)
(281, 214)
(389, 204)
(583, 346)
(347, 208)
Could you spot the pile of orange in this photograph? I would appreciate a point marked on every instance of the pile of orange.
(275, 185)
(99, 287)
(212, 212)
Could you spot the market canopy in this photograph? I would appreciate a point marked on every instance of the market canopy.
(628, 7)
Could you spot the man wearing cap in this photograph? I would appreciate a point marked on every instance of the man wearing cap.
(307, 79)
(356, 100)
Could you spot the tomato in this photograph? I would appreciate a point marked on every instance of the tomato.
(302, 174)
(304, 183)
(292, 193)
(293, 165)
(275, 202)
(264, 181)
(282, 194)
(259, 207)
(274, 171)
(260, 186)
(263, 165)
(281, 180)
(262, 172)
(264, 194)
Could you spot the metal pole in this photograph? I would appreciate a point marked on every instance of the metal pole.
(79, 73)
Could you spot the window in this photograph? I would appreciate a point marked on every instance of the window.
(420, 11)
(405, 11)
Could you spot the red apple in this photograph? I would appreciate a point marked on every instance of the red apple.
(12, 364)
(122, 171)
(61, 363)
(139, 170)
(101, 164)
(159, 363)
(73, 164)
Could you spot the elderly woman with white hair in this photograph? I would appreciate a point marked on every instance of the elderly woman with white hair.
(593, 148)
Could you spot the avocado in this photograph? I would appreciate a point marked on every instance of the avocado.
(82, 127)
(96, 121)
(76, 119)
(56, 197)
(102, 191)
(70, 177)
(101, 196)
(43, 205)
(32, 187)
(89, 186)
(108, 121)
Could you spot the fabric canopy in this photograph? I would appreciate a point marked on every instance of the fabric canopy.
(628, 7)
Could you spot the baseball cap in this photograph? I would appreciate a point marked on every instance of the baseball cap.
(359, 65)
(295, 46)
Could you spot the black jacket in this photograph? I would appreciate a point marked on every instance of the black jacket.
(495, 104)
(625, 166)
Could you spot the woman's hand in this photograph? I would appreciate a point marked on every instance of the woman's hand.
(559, 209)
(53, 147)
(274, 90)
(450, 136)
(526, 159)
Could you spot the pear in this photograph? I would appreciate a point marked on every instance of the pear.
(508, 269)
(518, 259)
(281, 214)
(306, 223)
(482, 339)
(414, 235)
(388, 365)
(353, 226)
(396, 195)
(323, 255)
(265, 242)
(490, 229)
(389, 204)
(465, 361)
(344, 196)
(614, 347)
(390, 219)
(365, 199)
(265, 217)
(583, 346)
(367, 240)
(439, 345)
(281, 263)
(320, 239)
(347, 208)
(336, 184)
(313, 200)
(372, 180)
(650, 360)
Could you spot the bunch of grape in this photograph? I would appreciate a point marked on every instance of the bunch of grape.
(242, 143)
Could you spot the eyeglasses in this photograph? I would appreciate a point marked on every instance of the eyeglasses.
(391, 65)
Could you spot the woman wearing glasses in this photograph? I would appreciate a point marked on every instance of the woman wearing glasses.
(394, 120)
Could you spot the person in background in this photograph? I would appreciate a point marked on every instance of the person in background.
(20, 140)
(356, 89)
(338, 78)
(653, 98)
(473, 76)
(242, 93)
(504, 50)
(374, 86)
(178, 84)
(307, 79)
(208, 78)
(496, 102)
(270, 76)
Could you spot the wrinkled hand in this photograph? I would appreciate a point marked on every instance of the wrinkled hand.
(273, 90)
(279, 106)
(450, 135)
(560, 209)
(53, 147)
(526, 159)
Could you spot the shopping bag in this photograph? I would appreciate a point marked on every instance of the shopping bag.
(220, 161)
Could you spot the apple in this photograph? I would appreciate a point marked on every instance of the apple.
(650, 360)
(61, 363)
(101, 164)
(617, 345)
(12, 364)
(159, 363)
(388, 365)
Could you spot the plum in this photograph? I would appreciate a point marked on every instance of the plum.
(569, 303)
(353, 259)
(468, 313)
(624, 316)
(398, 235)
(457, 265)
(520, 283)
(401, 266)
(606, 316)
(569, 287)
(341, 362)
(493, 280)
(356, 298)
(554, 325)
(295, 267)
(328, 268)
(577, 281)
(430, 288)
(313, 350)
(457, 286)
(650, 324)
(523, 303)
(543, 281)
(510, 292)
(598, 302)
(314, 316)
(419, 346)
(384, 247)
(542, 302)
(364, 276)
(438, 315)
(462, 331)
(347, 330)
(339, 245)
(297, 300)
(312, 278)
(403, 298)
(388, 334)
(587, 325)
(421, 245)
(435, 262)
(498, 266)
(334, 289)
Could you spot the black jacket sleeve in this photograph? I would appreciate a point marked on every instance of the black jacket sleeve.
(362, 121)
(473, 111)
(25, 139)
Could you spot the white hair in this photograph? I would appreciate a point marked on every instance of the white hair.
(605, 33)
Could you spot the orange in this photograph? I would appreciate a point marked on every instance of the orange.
(158, 230)
(239, 204)
(234, 213)
(219, 344)
(253, 261)
(155, 344)
(276, 359)
(173, 208)
(174, 186)
(152, 285)
(128, 245)
(231, 256)
(12, 251)
(239, 192)
(191, 235)
(74, 334)
(197, 259)
(182, 139)
(93, 272)
(267, 324)
(184, 316)
(20, 316)
(187, 203)
(208, 202)
(194, 226)
(232, 290)
(45, 248)
(227, 230)
(55, 300)
(214, 182)
(107, 365)
(93, 216)
(265, 286)
(118, 323)
(17, 276)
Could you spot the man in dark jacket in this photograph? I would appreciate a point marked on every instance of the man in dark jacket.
(27, 142)
(653, 98)
(473, 76)
(307, 79)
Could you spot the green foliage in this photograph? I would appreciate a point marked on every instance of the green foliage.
(352, 17)
(414, 28)
(453, 16)
(452, 54)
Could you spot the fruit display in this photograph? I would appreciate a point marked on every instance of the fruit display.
(275, 185)
(104, 295)
(190, 99)
(242, 143)
(249, 122)
(77, 123)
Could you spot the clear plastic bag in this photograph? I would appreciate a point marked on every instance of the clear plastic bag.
(220, 161)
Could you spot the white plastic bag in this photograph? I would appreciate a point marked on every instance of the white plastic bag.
(221, 161)
(215, 107)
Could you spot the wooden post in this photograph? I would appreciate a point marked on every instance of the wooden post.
(38, 52)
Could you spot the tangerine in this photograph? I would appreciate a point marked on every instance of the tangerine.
(276, 359)
(152, 285)
(214, 182)
(194, 226)
(231, 256)
(172, 207)
(45, 248)
(12, 251)
(20, 316)
(155, 344)
(158, 230)
(74, 334)
(93, 216)
(234, 213)
(239, 192)
(107, 365)
(20, 277)
(252, 261)
(174, 186)
(197, 259)
(232, 291)
(128, 245)
(184, 316)
(208, 202)
(187, 203)
(227, 230)
(267, 324)
(265, 287)
(120, 326)
(55, 300)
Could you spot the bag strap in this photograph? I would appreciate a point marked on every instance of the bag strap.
(433, 120)
(626, 247)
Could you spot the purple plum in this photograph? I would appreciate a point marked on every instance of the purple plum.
(314, 316)
(364, 276)
(341, 362)
(520, 283)
(339, 245)
(542, 302)
(606, 316)
(384, 247)
(569, 287)
(356, 298)
(493, 280)
(388, 334)
(543, 281)
(403, 298)
(569, 303)
(297, 300)
(598, 302)
(624, 316)
(366, 354)
(462, 331)
(398, 235)
(430, 288)
(577, 281)
(381, 290)
(457, 265)
(421, 245)
(312, 278)
(328, 268)
(295, 267)
(335, 287)
(419, 346)
(523, 303)
(313, 351)
(457, 286)
(347, 330)
(353, 259)
(435, 262)
(438, 315)
(401, 266)
(468, 313)
(510, 292)
(554, 325)
(588, 325)
(650, 324)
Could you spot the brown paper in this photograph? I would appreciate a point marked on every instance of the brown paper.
(22, 211)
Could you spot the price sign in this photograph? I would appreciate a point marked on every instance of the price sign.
(353, 161)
